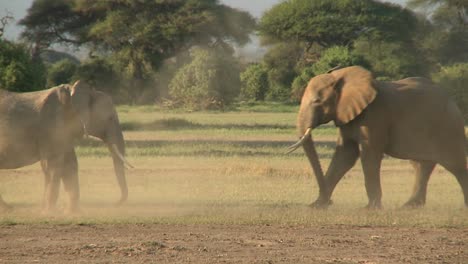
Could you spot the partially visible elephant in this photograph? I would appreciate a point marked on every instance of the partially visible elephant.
(411, 119)
(44, 125)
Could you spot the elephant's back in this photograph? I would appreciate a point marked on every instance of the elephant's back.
(18, 129)
(424, 122)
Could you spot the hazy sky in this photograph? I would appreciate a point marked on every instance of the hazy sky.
(18, 9)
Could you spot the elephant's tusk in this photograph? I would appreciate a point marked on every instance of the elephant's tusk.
(300, 142)
(85, 131)
(116, 151)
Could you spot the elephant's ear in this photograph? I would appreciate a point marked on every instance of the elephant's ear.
(356, 91)
(64, 95)
(81, 97)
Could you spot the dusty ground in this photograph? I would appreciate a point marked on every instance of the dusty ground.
(154, 243)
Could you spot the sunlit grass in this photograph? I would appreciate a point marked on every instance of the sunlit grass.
(219, 175)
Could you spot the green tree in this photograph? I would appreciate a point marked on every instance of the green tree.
(210, 81)
(61, 72)
(454, 78)
(101, 74)
(280, 62)
(254, 82)
(18, 71)
(444, 38)
(138, 35)
(330, 58)
(338, 22)
(392, 60)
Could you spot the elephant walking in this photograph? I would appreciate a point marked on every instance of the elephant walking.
(410, 119)
(43, 126)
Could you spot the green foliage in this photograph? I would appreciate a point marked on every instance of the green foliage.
(18, 72)
(392, 60)
(300, 83)
(210, 81)
(444, 37)
(454, 78)
(337, 22)
(61, 72)
(102, 75)
(138, 36)
(254, 81)
(280, 61)
(337, 56)
(330, 58)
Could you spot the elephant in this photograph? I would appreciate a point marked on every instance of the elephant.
(45, 125)
(411, 119)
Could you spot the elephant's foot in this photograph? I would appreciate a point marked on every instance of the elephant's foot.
(414, 203)
(374, 205)
(321, 204)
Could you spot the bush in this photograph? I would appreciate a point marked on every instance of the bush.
(61, 72)
(210, 81)
(337, 56)
(102, 75)
(299, 84)
(18, 72)
(280, 62)
(454, 78)
(254, 83)
(392, 60)
(330, 58)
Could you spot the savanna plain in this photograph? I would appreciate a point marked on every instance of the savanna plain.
(217, 187)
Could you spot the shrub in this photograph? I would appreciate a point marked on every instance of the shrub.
(454, 78)
(330, 58)
(18, 72)
(337, 56)
(254, 83)
(61, 72)
(210, 81)
(392, 60)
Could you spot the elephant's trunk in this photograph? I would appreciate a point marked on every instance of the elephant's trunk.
(117, 149)
(308, 120)
(311, 152)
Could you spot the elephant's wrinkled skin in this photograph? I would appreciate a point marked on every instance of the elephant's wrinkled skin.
(410, 119)
(43, 126)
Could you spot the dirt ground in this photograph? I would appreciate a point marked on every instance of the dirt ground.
(155, 243)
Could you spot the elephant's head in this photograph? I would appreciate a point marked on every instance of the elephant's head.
(99, 119)
(339, 96)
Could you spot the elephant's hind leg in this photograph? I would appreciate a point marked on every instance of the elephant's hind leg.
(423, 171)
(461, 173)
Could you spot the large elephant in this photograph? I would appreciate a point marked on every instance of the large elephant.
(44, 125)
(410, 119)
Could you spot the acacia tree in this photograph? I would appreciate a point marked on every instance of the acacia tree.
(137, 35)
(340, 22)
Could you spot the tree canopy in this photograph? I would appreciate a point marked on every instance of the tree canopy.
(339, 22)
(137, 35)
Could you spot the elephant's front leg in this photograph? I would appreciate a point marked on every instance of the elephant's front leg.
(52, 169)
(371, 161)
(344, 158)
(70, 181)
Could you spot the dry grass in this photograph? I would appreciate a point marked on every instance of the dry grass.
(221, 175)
